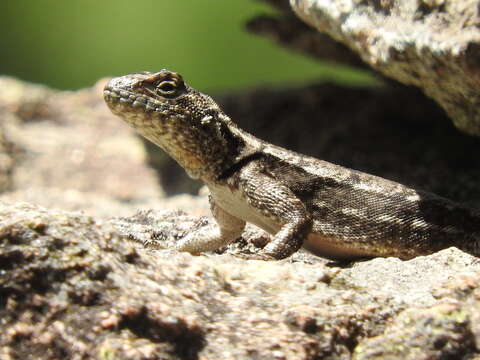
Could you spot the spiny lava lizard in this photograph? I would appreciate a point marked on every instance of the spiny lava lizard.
(332, 211)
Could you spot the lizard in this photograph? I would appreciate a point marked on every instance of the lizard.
(332, 211)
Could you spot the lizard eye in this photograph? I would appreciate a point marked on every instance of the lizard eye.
(167, 88)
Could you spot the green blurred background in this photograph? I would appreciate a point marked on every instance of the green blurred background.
(71, 44)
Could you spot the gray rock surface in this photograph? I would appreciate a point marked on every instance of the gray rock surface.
(67, 150)
(291, 32)
(81, 275)
(72, 287)
(433, 45)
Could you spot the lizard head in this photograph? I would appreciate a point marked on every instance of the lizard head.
(185, 123)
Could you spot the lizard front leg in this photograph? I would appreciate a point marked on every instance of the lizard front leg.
(214, 236)
(279, 204)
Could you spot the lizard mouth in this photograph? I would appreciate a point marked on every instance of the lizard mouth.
(137, 109)
(124, 94)
(120, 98)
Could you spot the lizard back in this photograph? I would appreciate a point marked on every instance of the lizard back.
(371, 214)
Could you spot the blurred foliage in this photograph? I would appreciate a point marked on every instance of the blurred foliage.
(71, 44)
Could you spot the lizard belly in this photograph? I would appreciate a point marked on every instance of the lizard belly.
(235, 204)
(319, 244)
(331, 248)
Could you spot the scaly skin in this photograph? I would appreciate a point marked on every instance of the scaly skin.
(333, 211)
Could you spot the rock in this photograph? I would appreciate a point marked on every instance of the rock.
(291, 32)
(433, 45)
(439, 332)
(83, 275)
(69, 148)
(19, 101)
(7, 160)
(72, 287)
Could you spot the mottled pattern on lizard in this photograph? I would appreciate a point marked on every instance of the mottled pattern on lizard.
(333, 211)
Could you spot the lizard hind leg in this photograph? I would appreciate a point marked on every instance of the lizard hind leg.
(289, 239)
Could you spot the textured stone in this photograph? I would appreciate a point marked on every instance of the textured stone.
(72, 287)
(65, 148)
(433, 45)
